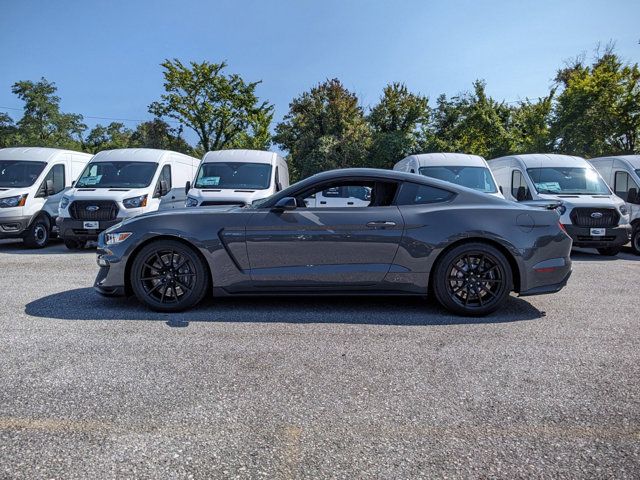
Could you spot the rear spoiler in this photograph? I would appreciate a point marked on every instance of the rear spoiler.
(545, 204)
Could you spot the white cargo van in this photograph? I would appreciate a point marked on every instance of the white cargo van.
(592, 215)
(32, 180)
(237, 177)
(470, 171)
(622, 173)
(119, 184)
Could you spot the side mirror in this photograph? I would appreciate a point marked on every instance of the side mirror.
(278, 186)
(162, 189)
(73, 184)
(46, 189)
(501, 190)
(632, 196)
(187, 187)
(286, 203)
(522, 194)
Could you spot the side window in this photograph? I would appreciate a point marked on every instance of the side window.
(623, 183)
(165, 175)
(351, 194)
(415, 194)
(56, 175)
(519, 188)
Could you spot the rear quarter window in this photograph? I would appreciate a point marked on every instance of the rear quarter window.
(415, 194)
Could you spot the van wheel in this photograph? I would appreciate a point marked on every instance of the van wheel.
(635, 240)
(74, 244)
(609, 251)
(472, 279)
(38, 234)
(169, 276)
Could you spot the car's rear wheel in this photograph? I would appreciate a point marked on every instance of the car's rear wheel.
(609, 251)
(38, 234)
(472, 279)
(169, 276)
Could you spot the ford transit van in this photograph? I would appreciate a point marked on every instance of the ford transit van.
(123, 183)
(237, 177)
(592, 215)
(32, 180)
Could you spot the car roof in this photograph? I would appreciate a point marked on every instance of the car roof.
(448, 159)
(240, 155)
(533, 160)
(633, 160)
(134, 155)
(35, 154)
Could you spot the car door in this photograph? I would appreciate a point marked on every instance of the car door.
(323, 246)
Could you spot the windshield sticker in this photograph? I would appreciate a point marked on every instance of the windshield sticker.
(210, 181)
(549, 186)
(91, 180)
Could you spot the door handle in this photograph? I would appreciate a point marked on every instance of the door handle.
(381, 224)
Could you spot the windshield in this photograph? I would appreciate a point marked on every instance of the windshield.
(568, 181)
(117, 175)
(256, 176)
(478, 178)
(15, 174)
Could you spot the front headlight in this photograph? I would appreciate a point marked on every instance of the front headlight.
(191, 202)
(135, 202)
(64, 202)
(115, 238)
(623, 209)
(17, 201)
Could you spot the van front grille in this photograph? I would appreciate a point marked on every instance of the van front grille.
(594, 217)
(93, 210)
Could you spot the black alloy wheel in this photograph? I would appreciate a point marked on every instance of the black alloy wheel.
(38, 234)
(169, 276)
(472, 279)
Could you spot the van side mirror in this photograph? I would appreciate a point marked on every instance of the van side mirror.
(501, 190)
(162, 189)
(632, 196)
(46, 189)
(278, 186)
(522, 194)
(187, 187)
(73, 184)
(286, 203)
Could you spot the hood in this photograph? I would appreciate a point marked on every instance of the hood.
(594, 201)
(117, 194)
(177, 212)
(13, 192)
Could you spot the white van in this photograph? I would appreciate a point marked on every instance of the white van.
(32, 180)
(237, 177)
(470, 171)
(119, 184)
(622, 173)
(592, 215)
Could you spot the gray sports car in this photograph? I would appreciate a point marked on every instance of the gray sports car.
(375, 232)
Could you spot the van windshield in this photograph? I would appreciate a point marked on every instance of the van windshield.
(117, 175)
(17, 174)
(568, 181)
(478, 178)
(256, 176)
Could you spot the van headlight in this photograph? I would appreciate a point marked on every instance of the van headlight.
(191, 202)
(115, 238)
(64, 202)
(135, 202)
(17, 201)
(623, 209)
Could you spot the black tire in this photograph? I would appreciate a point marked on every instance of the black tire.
(609, 251)
(38, 233)
(472, 279)
(169, 276)
(73, 244)
(635, 239)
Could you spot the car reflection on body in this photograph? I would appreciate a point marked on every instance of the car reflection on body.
(415, 235)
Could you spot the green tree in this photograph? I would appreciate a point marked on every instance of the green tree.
(223, 110)
(159, 134)
(325, 128)
(471, 123)
(598, 110)
(7, 130)
(42, 123)
(115, 135)
(395, 122)
(529, 128)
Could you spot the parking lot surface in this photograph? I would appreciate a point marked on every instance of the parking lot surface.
(313, 388)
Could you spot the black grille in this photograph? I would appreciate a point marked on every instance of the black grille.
(582, 217)
(210, 203)
(107, 210)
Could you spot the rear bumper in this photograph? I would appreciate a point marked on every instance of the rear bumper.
(550, 288)
(613, 237)
(14, 227)
(70, 229)
(548, 276)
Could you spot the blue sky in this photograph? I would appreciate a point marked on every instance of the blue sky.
(104, 55)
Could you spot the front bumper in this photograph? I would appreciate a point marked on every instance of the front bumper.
(70, 229)
(14, 227)
(613, 237)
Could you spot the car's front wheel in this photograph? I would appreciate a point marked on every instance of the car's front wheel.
(472, 279)
(169, 276)
(38, 234)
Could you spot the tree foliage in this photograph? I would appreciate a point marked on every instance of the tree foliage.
(325, 128)
(222, 109)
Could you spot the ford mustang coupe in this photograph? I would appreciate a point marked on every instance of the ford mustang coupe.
(342, 232)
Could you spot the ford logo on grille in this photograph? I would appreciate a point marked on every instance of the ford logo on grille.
(596, 215)
(95, 208)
